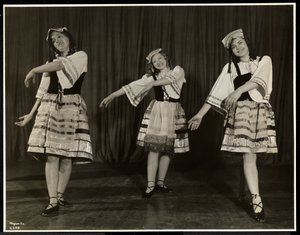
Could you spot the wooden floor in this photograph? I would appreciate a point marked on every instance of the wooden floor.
(109, 198)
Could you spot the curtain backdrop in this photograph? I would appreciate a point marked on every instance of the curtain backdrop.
(117, 40)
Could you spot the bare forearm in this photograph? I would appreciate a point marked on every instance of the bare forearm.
(204, 109)
(49, 67)
(248, 86)
(118, 93)
(35, 106)
(161, 82)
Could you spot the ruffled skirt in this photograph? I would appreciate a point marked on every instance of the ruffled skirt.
(61, 130)
(250, 128)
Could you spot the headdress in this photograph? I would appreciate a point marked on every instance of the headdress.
(60, 30)
(152, 53)
(234, 34)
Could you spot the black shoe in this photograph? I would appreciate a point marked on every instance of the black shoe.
(61, 201)
(50, 211)
(148, 194)
(258, 216)
(162, 187)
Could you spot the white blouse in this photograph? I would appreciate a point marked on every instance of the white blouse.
(261, 73)
(74, 66)
(176, 76)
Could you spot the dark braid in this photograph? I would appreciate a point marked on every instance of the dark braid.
(230, 60)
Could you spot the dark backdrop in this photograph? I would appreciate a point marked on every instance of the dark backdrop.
(117, 40)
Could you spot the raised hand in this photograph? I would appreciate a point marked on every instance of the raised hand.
(231, 99)
(194, 122)
(105, 102)
(24, 120)
(28, 77)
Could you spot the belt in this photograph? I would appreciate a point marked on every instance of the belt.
(60, 93)
(169, 99)
(65, 92)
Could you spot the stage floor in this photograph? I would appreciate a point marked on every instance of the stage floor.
(109, 198)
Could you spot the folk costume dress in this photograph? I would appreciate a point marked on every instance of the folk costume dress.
(164, 127)
(61, 126)
(250, 125)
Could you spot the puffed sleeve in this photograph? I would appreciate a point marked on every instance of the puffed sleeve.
(43, 87)
(263, 76)
(177, 78)
(74, 66)
(221, 89)
(132, 89)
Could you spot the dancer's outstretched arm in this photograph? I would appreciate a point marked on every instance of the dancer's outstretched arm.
(105, 102)
(26, 118)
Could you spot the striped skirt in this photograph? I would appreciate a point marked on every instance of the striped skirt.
(61, 131)
(164, 128)
(250, 128)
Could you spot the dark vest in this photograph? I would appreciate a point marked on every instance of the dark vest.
(241, 80)
(55, 87)
(162, 95)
